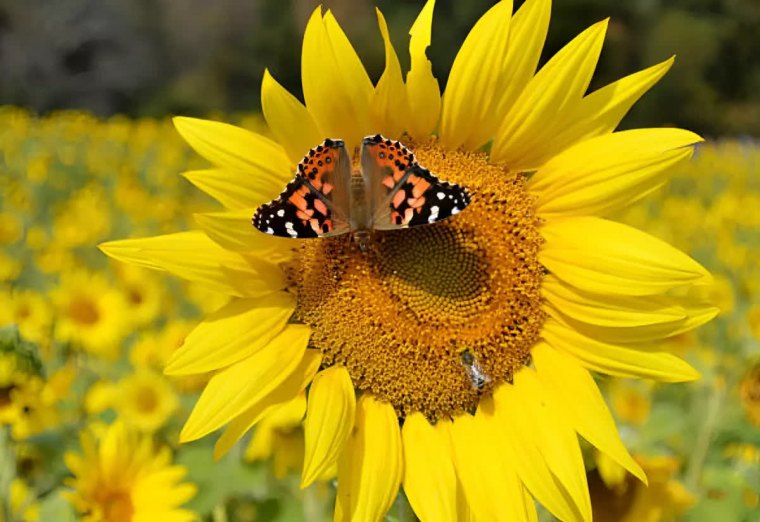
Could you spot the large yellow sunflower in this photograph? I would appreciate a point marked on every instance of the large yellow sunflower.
(453, 359)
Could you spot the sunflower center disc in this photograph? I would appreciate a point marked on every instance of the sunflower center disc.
(430, 318)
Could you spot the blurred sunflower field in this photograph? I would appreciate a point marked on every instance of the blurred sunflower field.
(89, 422)
(83, 342)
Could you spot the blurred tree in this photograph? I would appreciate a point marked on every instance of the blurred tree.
(152, 57)
(95, 54)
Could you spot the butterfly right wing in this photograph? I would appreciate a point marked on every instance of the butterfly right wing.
(316, 202)
(401, 192)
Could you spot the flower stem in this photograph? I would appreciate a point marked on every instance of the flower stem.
(704, 438)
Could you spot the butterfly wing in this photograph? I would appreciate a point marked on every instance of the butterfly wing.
(401, 192)
(316, 202)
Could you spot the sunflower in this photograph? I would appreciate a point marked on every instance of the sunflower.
(749, 391)
(90, 313)
(28, 310)
(454, 359)
(145, 297)
(121, 477)
(22, 502)
(145, 401)
(623, 499)
(33, 405)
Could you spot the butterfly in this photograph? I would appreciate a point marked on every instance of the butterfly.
(392, 191)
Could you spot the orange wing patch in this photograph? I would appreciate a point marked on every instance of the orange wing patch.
(393, 155)
(318, 164)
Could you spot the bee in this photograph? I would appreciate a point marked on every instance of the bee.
(478, 378)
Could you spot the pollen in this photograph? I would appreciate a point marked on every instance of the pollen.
(431, 318)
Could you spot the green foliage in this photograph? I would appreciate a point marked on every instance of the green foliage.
(157, 57)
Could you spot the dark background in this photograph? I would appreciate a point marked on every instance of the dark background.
(158, 57)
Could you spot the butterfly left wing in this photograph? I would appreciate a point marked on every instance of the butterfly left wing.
(402, 193)
(316, 202)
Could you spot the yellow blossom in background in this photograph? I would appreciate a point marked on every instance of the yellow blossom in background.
(145, 400)
(631, 401)
(153, 349)
(10, 267)
(90, 313)
(747, 453)
(664, 499)
(753, 319)
(102, 395)
(121, 476)
(84, 218)
(750, 394)
(145, 296)
(34, 403)
(22, 504)
(10, 228)
(12, 376)
(29, 311)
(723, 295)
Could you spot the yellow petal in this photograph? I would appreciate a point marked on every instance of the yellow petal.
(559, 84)
(231, 334)
(600, 112)
(336, 87)
(529, 506)
(527, 33)
(430, 482)
(290, 122)
(610, 171)
(287, 391)
(370, 467)
(475, 77)
(234, 148)
(697, 314)
(389, 110)
(634, 360)
(291, 412)
(236, 190)
(605, 257)
(542, 448)
(261, 445)
(240, 386)
(490, 484)
(422, 90)
(233, 231)
(558, 440)
(610, 310)
(572, 389)
(193, 256)
(329, 421)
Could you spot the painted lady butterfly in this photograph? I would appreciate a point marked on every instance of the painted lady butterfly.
(392, 191)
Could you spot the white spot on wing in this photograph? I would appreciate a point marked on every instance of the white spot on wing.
(280, 212)
(433, 214)
(270, 231)
(441, 195)
(455, 210)
(289, 229)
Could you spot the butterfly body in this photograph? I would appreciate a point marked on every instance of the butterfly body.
(327, 198)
